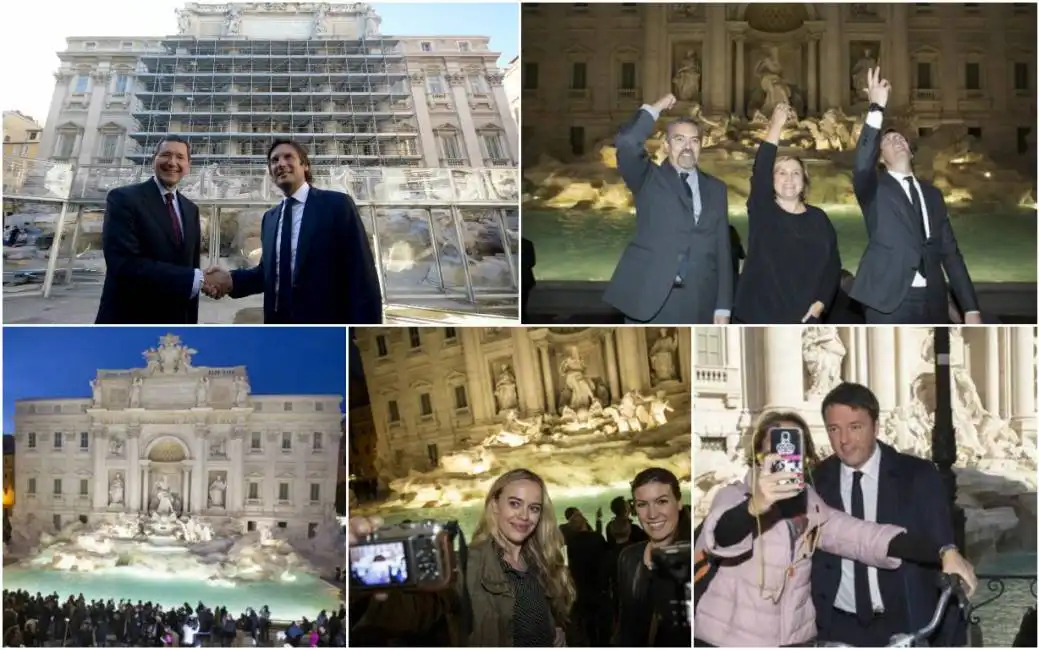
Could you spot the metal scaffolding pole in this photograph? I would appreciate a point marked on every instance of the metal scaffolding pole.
(52, 262)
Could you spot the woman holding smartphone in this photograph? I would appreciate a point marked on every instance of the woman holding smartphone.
(764, 530)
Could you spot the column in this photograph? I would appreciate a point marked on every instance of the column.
(996, 81)
(133, 467)
(430, 155)
(508, 122)
(546, 376)
(479, 382)
(715, 82)
(98, 90)
(145, 482)
(629, 360)
(831, 58)
(99, 447)
(465, 116)
(859, 342)
(531, 398)
(951, 67)
(685, 354)
(611, 364)
(783, 375)
(185, 483)
(235, 478)
(741, 71)
(199, 496)
(1022, 359)
(906, 351)
(652, 55)
(813, 80)
(992, 392)
(899, 70)
(882, 379)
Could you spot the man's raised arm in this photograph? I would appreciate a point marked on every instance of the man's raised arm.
(632, 159)
(865, 175)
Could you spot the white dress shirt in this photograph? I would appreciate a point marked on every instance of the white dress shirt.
(845, 599)
(197, 284)
(297, 220)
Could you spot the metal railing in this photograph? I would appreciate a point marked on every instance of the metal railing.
(1004, 619)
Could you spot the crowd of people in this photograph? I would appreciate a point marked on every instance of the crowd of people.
(529, 581)
(33, 621)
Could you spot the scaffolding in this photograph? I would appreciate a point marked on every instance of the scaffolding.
(443, 239)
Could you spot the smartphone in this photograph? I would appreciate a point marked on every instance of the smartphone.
(788, 444)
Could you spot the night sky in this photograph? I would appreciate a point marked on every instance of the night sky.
(59, 362)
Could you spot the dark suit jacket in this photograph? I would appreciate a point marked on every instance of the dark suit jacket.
(334, 281)
(910, 495)
(148, 278)
(895, 245)
(528, 259)
(665, 230)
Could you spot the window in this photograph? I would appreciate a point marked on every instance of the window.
(57, 487)
(283, 491)
(449, 148)
(1022, 139)
(122, 82)
(627, 78)
(579, 75)
(311, 530)
(464, 46)
(282, 524)
(31, 486)
(32, 440)
(84, 487)
(90, 46)
(1021, 76)
(288, 406)
(974, 132)
(57, 440)
(426, 46)
(577, 140)
(435, 84)
(108, 147)
(971, 8)
(923, 75)
(492, 143)
(924, 131)
(973, 73)
(414, 337)
(84, 440)
(127, 45)
(316, 441)
(530, 76)
(710, 348)
(286, 441)
(477, 84)
(66, 143)
(254, 491)
(256, 442)
(319, 407)
(250, 526)
(315, 492)
(450, 334)
(434, 454)
(394, 411)
(380, 345)
(461, 399)
(425, 404)
(57, 521)
(80, 84)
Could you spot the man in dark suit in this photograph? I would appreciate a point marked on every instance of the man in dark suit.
(317, 265)
(862, 606)
(152, 244)
(678, 267)
(901, 277)
(528, 260)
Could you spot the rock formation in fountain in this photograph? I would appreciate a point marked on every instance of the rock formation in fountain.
(957, 163)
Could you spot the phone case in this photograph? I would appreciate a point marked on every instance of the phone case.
(788, 445)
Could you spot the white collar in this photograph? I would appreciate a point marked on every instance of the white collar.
(899, 176)
(870, 468)
(302, 193)
(162, 188)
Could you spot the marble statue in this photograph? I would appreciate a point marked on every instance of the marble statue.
(151, 356)
(216, 492)
(686, 81)
(183, 21)
(115, 490)
(471, 463)
(858, 74)
(770, 74)
(505, 389)
(371, 24)
(578, 392)
(115, 446)
(823, 352)
(659, 407)
(135, 392)
(202, 392)
(170, 357)
(241, 396)
(320, 21)
(163, 497)
(95, 389)
(662, 356)
(233, 22)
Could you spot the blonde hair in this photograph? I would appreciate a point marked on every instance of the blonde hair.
(543, 548)
(804, 173)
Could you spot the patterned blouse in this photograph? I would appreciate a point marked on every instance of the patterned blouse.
(531, 613)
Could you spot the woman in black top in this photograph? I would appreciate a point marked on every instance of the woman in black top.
(793, 266)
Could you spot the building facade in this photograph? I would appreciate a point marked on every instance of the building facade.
(743, 372)
(437, 391)
(514, 87)
(587, 67)
(237, 75)
(173, 437)
(21, 135)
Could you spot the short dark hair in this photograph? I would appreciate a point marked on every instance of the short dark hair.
(569, 512)
(173, 137)
(684, 120)
(656, 475)
(300, 151)
(617, 505)
(855, 396)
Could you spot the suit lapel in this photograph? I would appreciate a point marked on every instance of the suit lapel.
(829, 484)
(158, 207)
(907, 210)
(270, 243)
(307, 229)
(705, 195)
(887, 486)
(676, 182)
(190, 224)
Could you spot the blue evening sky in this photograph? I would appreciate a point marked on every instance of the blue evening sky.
(59, 362)
(499, 20)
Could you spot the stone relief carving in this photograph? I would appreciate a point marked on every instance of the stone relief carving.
(686, 80)
(864, 12)
(863, 55)
(115, 490)
(686, 12)
(116, 446)
(320, 27)
(371, 23)
(823, 353)
(171, 357)
(95, 390)
(663, 356)
(241, 385)
(505, 389)
(183, 21)
(233, 22)
(202, 392)
(135, 392)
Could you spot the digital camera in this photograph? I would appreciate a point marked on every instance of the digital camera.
(675, 562)
(416, 556)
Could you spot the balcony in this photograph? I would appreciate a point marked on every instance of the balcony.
(718, 381)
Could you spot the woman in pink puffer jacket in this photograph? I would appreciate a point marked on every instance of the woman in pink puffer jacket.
(763, 534)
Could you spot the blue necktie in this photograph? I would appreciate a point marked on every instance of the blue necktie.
(285, 260)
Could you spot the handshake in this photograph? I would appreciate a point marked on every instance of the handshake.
(216, 282)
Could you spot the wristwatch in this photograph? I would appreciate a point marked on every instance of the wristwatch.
(875, 107)
(945, 549)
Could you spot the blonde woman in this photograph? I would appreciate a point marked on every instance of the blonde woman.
(793, 266)
(763, 533)
(517, 579)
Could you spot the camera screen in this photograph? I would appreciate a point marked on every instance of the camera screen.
(379, 565)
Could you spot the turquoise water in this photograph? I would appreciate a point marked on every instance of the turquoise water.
(304, 596)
